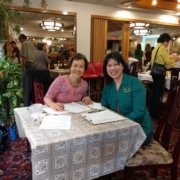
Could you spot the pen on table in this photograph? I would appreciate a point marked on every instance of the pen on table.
(95, 111)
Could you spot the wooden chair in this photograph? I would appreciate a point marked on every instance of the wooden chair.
(157, 155)
(175, 73)
(135, 68)
(35, 86)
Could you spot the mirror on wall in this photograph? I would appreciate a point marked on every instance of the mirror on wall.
(56, 30)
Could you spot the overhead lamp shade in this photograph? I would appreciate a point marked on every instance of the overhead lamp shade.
(51, 25)
(141, 31)
(138, 25)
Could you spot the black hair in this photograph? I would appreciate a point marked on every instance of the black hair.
(78, 56)
(40, 46)
(164, 37)
(22, 36)
(119, 59)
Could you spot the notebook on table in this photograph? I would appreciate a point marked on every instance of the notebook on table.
(103, 116)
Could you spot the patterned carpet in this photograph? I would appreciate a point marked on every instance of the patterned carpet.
(16, 164)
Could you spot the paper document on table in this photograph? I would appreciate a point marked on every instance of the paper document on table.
(102, 117)
(56, 122)
(52, 111)
(75, 107)
(95, 105)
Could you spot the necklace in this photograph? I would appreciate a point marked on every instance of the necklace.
(74, 84)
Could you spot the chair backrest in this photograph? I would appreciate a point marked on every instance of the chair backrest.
(135, 68)
(170, 115)
(175, 73)
(99, 68)
(35, 86)
(90, 72)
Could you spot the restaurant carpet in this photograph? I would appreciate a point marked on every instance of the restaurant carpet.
(16, 163)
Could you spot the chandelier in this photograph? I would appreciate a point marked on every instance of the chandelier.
(51, 25)
(140, 29)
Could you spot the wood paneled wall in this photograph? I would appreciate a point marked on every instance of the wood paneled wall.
(125, 39)
(98, 39)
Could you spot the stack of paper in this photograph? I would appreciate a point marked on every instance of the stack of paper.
(56, 122)
(96, 105)
(102, 117)
(75, 107)
(52, 111)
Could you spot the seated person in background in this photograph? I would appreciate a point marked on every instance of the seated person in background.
(42, 60)
(125, 94)
(131, 58)
(69, 88)
(72, 52)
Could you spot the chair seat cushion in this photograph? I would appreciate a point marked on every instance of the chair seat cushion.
(151, 154)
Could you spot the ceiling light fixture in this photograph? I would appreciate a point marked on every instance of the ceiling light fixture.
(138, 25)
(141, 32)
(140, 29)
(178, 5)
(154, 2)
(51, 25)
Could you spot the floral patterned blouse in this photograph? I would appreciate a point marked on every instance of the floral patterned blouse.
(61, 90)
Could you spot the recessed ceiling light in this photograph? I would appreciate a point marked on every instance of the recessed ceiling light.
(65, 12)
(154, 2)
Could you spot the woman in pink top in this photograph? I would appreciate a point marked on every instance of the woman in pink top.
(69, 88)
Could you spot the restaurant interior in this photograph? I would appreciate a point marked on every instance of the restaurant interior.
(96, 28)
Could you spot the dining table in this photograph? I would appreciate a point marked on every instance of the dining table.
(58, 72)
(83, 152)
(147, 76)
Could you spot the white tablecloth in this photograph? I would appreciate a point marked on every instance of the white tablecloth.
(84, 152)
(60, 71)
(146, 76)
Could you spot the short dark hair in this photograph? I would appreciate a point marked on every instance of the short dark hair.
(40, 46)
(22, 36)
(78, 56)
(13, 42)
(119, 59)
(164, 37)
(72, 49)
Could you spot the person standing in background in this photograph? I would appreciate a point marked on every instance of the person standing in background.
(27, 53)
(159, 55)
(147, 54)
(15, 55)
(42, 60)
(138, 53)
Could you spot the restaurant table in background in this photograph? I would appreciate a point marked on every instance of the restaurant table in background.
(83, 152)
(146, 76)
(57, 72)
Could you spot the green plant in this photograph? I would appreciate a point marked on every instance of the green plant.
(10, 19)
(11, 91)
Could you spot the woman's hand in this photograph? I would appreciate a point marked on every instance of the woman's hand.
(56, 106)
(86, 100)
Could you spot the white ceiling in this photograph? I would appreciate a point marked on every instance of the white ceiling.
(32, 20)
(32, 29)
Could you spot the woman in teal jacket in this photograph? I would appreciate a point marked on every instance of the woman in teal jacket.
(124, 93)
